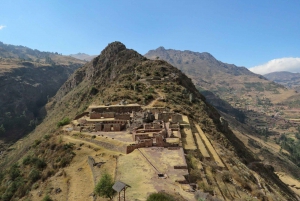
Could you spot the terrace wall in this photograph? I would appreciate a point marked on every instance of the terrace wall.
(81, 115)
(95, 115)
(117, 109)
(146, 143)
(122, 116)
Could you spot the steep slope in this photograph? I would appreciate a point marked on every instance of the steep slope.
(249, 98)
(28, 78)
(120, 74)
(288, 79)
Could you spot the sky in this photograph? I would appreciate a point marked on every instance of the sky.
(248, 33)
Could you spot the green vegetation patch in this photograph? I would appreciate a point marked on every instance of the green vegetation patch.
(19, 179)
(160, 196)
(64, 121)
(258, 86)
(104, 186)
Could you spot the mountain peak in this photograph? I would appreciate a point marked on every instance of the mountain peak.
(161, 48)
(114, 47)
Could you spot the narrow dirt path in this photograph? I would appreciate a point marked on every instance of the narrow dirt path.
(152, 103)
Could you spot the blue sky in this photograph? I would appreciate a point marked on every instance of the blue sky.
(245, 33)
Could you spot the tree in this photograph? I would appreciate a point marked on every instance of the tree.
(104, 186)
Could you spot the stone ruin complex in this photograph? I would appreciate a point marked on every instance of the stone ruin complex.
(149, 127)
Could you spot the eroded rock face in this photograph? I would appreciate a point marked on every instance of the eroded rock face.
(24, 91)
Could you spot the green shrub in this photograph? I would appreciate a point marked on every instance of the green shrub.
(35, 186)
(64, 162)
(13, 188)
(68, 146)
(36, 143)
(226, 176)
(34, 175)
(148, 96)
(38, 163)
(160, 197)
(14, 172)
(47, 137)
(195, 175)
(151, 90)
(94, 91)
(1, 176)
(63, 122)
(47, 198)
(27, 160)
(7, 196)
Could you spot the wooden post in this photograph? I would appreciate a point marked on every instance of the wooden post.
(119, 197)
(124, 193)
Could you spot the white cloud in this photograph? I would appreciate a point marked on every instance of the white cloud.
(2, 26)
(283, 64)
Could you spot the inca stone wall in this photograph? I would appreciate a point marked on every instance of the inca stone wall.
(91, 163)
(107, 145)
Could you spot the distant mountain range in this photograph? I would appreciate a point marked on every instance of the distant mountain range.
(288, 79)
(83, 56)
(220, 81)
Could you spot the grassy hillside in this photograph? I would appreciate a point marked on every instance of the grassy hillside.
(120, 74)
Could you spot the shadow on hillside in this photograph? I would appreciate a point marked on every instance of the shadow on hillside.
(223, 106)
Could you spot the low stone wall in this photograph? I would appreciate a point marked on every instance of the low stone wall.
(91, 163)
(122, 116)
(147, 143)
(81, 115)
(173, 148)
(95, 115)
(108, 115)
(182, 167)
(140, 136)
(117, 109)
(107, 145)
(148, 130)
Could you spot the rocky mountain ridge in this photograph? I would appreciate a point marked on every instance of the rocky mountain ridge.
(219, 81)
(120, 74)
